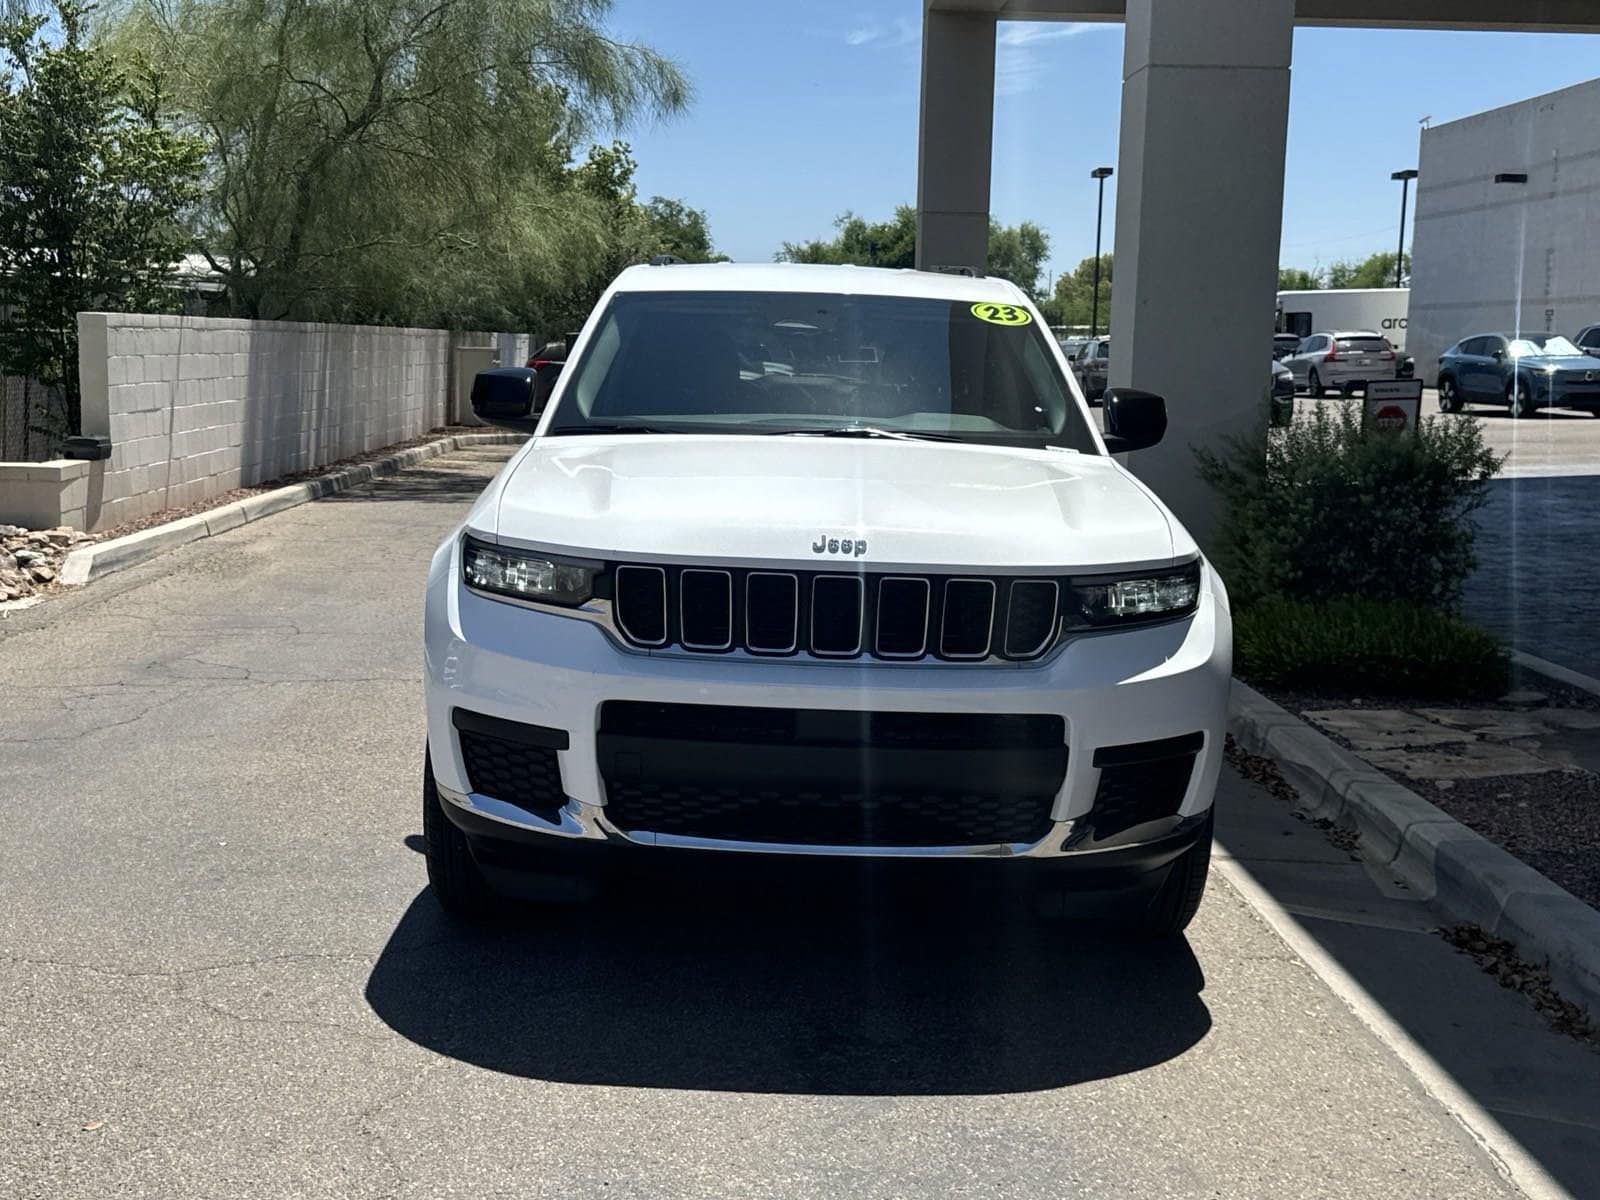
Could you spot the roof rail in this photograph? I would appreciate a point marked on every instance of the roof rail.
(969, 272)
(665, 260)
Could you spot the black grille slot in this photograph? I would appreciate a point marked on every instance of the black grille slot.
(521, 774)
(641, 604)
(836, 615)
(1142, 782)
(706, 609)
(968, 625)
(772, 612)
(902, 630)
(833, 614)
(833, 728)
(1031, 617)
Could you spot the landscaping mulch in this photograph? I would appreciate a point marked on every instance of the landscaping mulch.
(1549, 820)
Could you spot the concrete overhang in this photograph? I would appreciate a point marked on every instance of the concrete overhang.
(1535, 16)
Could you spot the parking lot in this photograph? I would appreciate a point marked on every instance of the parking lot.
(225, 976)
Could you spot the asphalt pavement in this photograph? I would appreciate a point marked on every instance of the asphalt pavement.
(224, 975)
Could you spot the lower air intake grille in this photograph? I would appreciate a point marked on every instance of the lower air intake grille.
(502, 761)
(815, 777)
(827, 818)
(1141, 782)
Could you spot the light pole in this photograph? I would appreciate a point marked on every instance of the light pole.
(1102, 174)
(1405, 177)
(1518, 178)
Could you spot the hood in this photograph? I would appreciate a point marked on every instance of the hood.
(1560, 362)
(928, 506)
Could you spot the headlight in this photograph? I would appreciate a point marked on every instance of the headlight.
(525, 575)
(1146, 597)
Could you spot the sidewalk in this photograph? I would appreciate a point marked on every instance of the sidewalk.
(1490, 810)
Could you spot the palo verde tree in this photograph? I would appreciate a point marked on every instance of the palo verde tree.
(400, 161)
(93, 189)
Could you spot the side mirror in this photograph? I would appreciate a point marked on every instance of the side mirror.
(1134, 419)
(507, 396)
(1499, 355)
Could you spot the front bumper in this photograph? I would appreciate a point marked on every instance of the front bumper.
(504, 661)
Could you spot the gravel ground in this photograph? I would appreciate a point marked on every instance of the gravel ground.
(30, 559)
(1551, 820)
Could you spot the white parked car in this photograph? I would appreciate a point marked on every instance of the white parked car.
(823, 561)
(1342, 361)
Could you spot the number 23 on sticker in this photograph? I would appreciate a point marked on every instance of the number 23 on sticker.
(1001, 314)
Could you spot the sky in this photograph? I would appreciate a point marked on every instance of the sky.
(803, 110)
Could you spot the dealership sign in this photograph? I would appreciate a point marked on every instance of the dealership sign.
(1393, 405)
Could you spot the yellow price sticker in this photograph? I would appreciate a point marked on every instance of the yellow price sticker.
(1001, 314)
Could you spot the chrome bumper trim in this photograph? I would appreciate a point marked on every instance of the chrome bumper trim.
(588, 822)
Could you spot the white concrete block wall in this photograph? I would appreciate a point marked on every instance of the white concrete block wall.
(197, 406)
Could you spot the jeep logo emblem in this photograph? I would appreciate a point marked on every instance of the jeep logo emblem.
(855, 547)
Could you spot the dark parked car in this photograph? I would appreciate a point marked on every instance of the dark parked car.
(1090, 366)
(1282, 394)
(547, 363)
(1533, 370)
(1588, 340)
(1285, 344)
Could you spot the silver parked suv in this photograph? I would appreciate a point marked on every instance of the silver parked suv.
(1342, 361)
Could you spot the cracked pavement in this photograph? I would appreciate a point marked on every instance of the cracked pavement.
(223, 975)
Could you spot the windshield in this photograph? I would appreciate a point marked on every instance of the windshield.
(814, 363)
(1552, 344)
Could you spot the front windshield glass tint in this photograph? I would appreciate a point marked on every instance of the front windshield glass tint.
(791, 362)
(1554, 344)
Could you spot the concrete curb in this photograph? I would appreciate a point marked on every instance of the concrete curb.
(102, 558)
(1555, 671)
(1439, 858)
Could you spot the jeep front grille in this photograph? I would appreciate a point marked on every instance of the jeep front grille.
(835, 615)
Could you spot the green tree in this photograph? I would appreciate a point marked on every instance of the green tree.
(1298, 279)
(1073, 300)
(403, 160)
(677, 229)
(1374, 271)
(93, 190)
(1015, 252)
(890, 243)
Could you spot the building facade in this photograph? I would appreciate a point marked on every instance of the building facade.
(1508, 255)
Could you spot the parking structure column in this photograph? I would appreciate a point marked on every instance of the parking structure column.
(955, 139)
(1205, 114)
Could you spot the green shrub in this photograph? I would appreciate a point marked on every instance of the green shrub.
(1367, 647)
(1325, 508)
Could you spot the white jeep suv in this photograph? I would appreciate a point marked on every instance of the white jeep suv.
(822, 561)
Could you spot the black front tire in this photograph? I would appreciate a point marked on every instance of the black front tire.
(1178, 900)
(1314, 385)
(456, 881)
(1449, 396)
(1519, 398)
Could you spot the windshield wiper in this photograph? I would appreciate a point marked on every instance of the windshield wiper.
(616, 428)
(868, 431)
